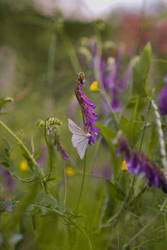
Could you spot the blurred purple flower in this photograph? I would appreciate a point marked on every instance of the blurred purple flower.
(163, 98)
(115, 102)
(139, 164)
(7, 180)
(106, 171)
(72, 108)
(93, 47)
(42, 157)
(123, 148)
(110, 75)
(89, 116)
(64, 155)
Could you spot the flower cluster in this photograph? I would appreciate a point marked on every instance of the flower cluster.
(89, 116)
(163, 98)
(139, 164)
(51, 126)
(109, 73)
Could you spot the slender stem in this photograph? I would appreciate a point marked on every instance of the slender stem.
(82, 182)
(116, 217)
(25, 149)
(65, 186)
(50, 151)
(144, 128)
(161, 136)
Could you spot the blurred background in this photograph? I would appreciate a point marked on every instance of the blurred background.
(44, 44)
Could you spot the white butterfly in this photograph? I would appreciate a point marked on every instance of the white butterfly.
(79, 138)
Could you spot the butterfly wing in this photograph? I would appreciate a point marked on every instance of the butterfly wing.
(79, 138)
(80, 142)
(73, 127)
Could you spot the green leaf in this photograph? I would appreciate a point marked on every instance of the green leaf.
(114, 191)
(105, 130)
(141, 72)
(5, 154)
(108, 134)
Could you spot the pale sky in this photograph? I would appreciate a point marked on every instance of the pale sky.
(96, 8)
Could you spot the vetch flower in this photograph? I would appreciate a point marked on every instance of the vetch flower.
(89, 116)
(23, 166)
(61, 149)
(163, 99)
(139, 164)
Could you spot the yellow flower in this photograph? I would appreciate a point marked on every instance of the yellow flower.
(23, 166)
(124, 167)
(69, 171)
(94, 86)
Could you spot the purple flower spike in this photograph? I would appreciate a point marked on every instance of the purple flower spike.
(89, 116)
(64, 155)
(115, 103)
(139, 164)
(152, 173)
(163, 99)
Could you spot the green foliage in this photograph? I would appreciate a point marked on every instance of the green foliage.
(38, 65)
(141, 71)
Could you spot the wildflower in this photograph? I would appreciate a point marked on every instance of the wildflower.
(89, 116)
(69, 171)
(124, 167)
(139, 164)
(94, 86)
(51, 125)
(61, 149)
(23, 166)
(163, 99)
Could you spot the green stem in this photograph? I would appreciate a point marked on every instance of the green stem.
(82, 182)
(65, 186)
(25, 149)
(116, 217)
(51, 152)
(144, 128)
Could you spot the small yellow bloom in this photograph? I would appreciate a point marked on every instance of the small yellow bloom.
(69, 171)
(94, 86)
(23, 166)
(124, 167)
